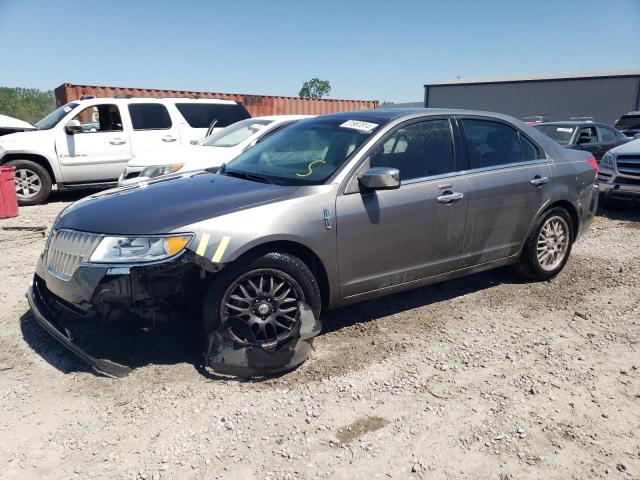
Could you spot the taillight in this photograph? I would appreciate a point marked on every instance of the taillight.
(593, 163)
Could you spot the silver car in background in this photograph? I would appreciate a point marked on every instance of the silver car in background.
(329, 211)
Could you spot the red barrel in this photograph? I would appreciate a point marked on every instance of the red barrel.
(8, 199)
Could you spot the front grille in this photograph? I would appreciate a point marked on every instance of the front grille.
(67, 249)
(629, 164)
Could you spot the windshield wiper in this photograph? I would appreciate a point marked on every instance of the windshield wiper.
(246, 176)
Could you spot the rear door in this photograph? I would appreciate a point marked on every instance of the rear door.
(99, 151)
(587, 139)
(390, 237)
(152, 127)
(508, 183)
(608, 140)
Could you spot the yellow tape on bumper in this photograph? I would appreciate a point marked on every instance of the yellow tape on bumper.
(202, 246)
(221, 248)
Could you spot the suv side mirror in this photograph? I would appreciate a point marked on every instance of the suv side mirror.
(73, 126)
(380, 178)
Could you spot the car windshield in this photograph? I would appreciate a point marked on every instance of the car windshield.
(306, 153)
(560, 133)
(54, 117)
(628, 121)
(236, 133)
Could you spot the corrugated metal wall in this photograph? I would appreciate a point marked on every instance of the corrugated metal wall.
(604, 99)
(257, 105)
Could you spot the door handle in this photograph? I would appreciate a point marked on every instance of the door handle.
(538, 181)
(117, 141)
(169, 138)
(450, 197)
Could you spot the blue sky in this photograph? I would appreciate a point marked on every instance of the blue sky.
(384, 50)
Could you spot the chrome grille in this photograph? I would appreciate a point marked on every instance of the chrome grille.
(628, 165)
(67, 249)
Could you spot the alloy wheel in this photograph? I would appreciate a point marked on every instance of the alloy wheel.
(553, 243)
(261, 307)
(28, 183)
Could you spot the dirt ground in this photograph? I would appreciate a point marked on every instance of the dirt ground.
(483, 377)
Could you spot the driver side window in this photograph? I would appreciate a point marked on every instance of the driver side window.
(100, 118)
(418, 150)
(587, 135)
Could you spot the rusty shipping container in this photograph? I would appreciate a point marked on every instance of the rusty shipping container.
(257, 105)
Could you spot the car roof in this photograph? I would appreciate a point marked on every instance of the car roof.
(388, 114)
(282, 118)
(156, 100)
(572, 123)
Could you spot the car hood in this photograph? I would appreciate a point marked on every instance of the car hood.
(22, 140)
(168, 204)
(632, 147)
(10, 122)
(195, 157)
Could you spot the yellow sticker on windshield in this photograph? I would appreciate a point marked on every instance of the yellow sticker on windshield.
(309, 168)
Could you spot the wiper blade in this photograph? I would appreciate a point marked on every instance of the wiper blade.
(246, 176)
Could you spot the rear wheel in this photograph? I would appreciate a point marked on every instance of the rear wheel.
(258, 299)
(33, 182)
(548, 246)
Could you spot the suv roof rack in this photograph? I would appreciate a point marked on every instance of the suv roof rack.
(128, 95)
(86, 97)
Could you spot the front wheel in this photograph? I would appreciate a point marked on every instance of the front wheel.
(258, 299)
(33, 182)
(548, 246)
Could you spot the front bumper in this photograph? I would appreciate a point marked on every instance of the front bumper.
(49, 321)
(618, 187)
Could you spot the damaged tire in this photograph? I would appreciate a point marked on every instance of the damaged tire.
(258, 298)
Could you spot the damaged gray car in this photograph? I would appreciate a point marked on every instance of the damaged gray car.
(332, 210)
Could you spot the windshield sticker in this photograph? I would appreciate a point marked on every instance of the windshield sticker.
(67, 109)
(358, 125)
(310, 171)
(563, 129)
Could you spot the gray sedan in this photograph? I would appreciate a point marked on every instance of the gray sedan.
(332, 210)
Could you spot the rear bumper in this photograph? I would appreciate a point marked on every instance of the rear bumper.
(49, 321)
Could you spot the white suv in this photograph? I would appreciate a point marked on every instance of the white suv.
(88, 142)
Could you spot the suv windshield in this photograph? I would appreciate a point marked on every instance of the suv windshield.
(560, 133)
(236, 133)
(54, 117)
(306, 153)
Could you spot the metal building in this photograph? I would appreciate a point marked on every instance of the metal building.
(603, 96)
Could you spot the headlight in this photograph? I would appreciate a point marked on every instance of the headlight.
(139, 249)
(607, 160)
(157, 170)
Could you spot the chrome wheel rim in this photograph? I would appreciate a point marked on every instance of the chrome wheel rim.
(553, 243)
(28, 183)
(261, 307)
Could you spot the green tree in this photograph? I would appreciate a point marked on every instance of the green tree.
(315, 88)
(28, 104)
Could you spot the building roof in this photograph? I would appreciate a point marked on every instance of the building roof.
(534, 78)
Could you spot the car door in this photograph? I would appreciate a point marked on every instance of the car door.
(608, 140)
(587, 139)
(508, 180)
(390, 237)
(152, 127)
(99, 151)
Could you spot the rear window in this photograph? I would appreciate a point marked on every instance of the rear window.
(628, 121)
(149, 116)
(200, 115)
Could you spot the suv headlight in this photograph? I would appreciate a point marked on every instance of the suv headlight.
(139, 249)
(157, 170)
(607, 160)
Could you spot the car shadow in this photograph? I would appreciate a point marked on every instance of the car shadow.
(182, 341)
(628, 213)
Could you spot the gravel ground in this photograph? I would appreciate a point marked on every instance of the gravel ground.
(483, 377)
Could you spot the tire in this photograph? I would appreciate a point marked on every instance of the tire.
(537, 265)
(281, 267)
(35, 182)
(610, 204)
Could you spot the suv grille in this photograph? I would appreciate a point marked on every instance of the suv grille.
(67, 249)
(629, 164)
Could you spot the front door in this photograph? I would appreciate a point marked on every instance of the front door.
(509, 181)
(391, 237)
(99, 151)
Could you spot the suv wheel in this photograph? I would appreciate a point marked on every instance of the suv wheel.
(548, 246)
(258, 298)
(33, 182)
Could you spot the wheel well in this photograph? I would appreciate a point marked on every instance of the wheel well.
(573, 213)
(305, 254)
(34, 158)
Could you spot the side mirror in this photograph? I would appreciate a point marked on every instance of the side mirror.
(73, 127)
(380, 178)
